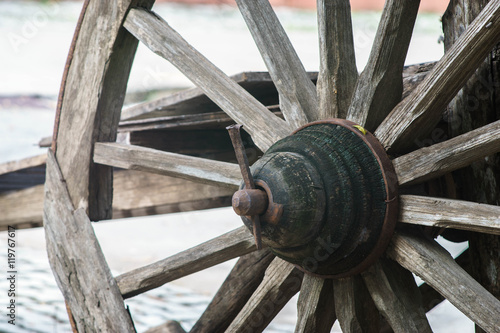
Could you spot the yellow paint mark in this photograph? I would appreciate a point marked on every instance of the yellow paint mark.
(361, 129)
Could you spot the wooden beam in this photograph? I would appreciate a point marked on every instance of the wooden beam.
(354, 307)
(215, 251)
(447, 213)
(187, 167)
(78, 263)
(297, 93)
(434, 265)
(234, 293)
(316, 306)
(397, 297)
(441, 158)
(136, 193)
(24, 206)
(24, 163)
(281, 282)
(91, 100)
(264, 127)
(417, 115)
(380, 85)
(337, 67)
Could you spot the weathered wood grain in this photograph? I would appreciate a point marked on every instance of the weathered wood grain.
(448, 213)
(380, 85)
(215, 251)
(24, 163)
(240, 284)
(337, 67)
(264, 127)
(397, 297)
(354, 307)
(78, 263)
(441, 158)
(91, 100)
(476, 105)
(24, 206)
(417, 115)
(434, 265)
(316, 306)
(297, 93)
(136, 193)
(281, 281)
(194, 101)
(170, 164)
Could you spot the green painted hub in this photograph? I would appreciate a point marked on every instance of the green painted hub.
(335, 194)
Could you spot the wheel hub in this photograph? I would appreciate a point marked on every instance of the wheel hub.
(326, 197)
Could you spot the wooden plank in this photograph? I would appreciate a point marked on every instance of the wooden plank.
(240, 284)
(156, 34)
(281, 281)
(337, 68)
(447, 213)
(215, 251)
(380, 85)
(170, 164)
(297, 93)
(24, 163)
(24, 206)
(198, 121)
(397, 297)
(315, 307)
(136, 194)
(194, 101)
(441, 158)
(137, 191)
(434, 265)
(78, 263)
(417, 115)
(90, 112)
(354, 307)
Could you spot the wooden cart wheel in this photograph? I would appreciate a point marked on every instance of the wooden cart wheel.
(327, 187)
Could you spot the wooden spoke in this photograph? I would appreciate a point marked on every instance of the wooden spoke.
(397, 297)
(354, 307)
(157, 35)
(297, 93)
(439, 159)
(380, 85)
(281, 281)
(337, 68)
(419, 113)
(316, 306)
(241, 283)
(170, 164)
(435, 266)
(77, 259)
(430, 297)
(447, 213)
(215, 251)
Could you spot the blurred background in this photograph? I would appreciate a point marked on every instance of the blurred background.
(35, 37)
